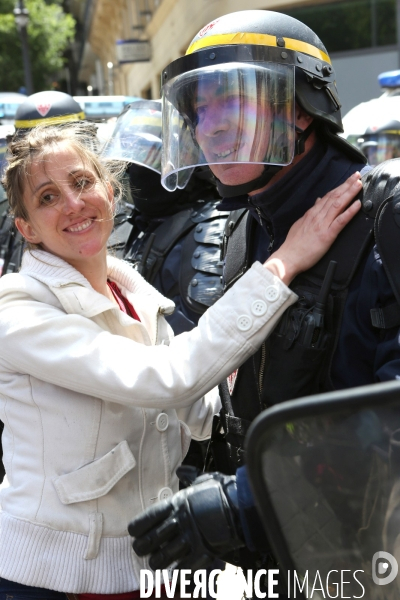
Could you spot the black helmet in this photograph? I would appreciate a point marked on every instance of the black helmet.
(262, 61)
(381, 141)
(48, 108)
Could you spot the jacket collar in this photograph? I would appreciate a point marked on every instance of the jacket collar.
(76, 294)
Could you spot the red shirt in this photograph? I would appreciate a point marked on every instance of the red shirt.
(123, 303)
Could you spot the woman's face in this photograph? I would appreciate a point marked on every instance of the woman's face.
(69, 208)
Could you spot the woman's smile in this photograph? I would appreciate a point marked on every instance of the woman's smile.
(80, 227)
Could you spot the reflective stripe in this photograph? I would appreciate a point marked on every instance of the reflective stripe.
(258, 39)
(49, 121)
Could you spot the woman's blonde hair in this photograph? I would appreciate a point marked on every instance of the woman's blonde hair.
(40, 141)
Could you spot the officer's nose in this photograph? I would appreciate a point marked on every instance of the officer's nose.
(214, 122)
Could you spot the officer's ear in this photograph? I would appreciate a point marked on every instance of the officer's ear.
(303, 119)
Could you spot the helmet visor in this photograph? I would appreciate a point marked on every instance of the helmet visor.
(137, 138)
(380, 147)
(224, 114)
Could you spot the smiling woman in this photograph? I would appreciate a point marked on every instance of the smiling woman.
(99, 400)
(63, 204)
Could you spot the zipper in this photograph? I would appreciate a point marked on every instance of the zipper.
(257, 209)
(271, 236)
(259, 215)
(265, 224)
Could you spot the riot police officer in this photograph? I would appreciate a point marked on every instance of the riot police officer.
(374, 126)
(47, 108)
(381, 140)
(255, 98)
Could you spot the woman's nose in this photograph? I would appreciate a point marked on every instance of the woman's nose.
(71, 200)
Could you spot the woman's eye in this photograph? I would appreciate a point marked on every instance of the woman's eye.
(83, 183)
(48, 199)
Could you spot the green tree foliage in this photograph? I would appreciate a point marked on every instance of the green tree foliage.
(50, 30)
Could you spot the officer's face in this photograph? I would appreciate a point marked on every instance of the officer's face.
(231, 127)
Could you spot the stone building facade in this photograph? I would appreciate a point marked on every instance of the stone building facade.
(362, 39)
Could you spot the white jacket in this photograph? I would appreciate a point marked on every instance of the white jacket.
(93, 403)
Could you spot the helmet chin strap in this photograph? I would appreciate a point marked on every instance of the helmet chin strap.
(230, 191)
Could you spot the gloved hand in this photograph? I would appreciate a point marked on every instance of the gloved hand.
(196, 525)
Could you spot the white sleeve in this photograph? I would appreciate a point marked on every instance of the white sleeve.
(199, 416)
(73, 352)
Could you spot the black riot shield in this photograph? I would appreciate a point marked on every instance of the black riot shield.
(325, 472)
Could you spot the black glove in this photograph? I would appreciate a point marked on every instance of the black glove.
(196, 525)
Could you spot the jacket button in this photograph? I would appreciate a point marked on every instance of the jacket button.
(259, 308)
(272, 293)
(165, 493)
(162, 422)
(244, 323)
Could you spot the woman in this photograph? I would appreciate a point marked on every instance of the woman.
(97, 398)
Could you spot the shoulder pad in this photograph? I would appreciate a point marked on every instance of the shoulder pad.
(387, 223)
(210, 232)
(205, 289)
(207, 259)
(207, 212)
(379, 185)
(201, 266)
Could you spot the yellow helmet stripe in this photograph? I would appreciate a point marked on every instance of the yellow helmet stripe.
(49, 121)
(258, 39)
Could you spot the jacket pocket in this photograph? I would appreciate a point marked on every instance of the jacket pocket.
(186, 438)
(97, 478)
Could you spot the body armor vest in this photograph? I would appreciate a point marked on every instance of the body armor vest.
(296, 359)
(200, 229)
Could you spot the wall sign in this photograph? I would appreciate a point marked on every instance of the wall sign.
(129, 51)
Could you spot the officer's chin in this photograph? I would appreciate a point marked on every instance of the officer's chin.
(236, 173)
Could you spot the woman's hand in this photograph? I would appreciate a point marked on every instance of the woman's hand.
(312, 235)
